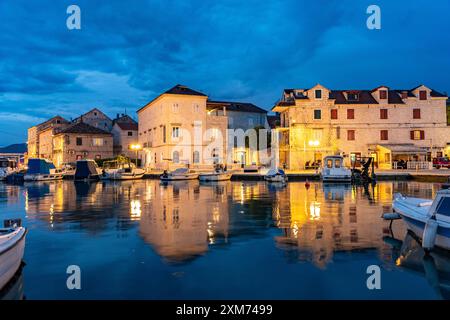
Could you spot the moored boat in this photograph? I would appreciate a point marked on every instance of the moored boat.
(42, 170)
(115, 170)
(429, 220)
(276, 175)
(12, 246)
(6, 168)
(219, 174)
(87, 170)
(179, 174)
(333, 170)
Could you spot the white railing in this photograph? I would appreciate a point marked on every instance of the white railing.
(419, 165)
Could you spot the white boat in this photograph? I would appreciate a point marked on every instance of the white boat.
(6, 168)
(333, 170)
(219, 174)
(42, 170)
(429, 220)
(12, 246)
(115, 170)
(276, 175)
(179, 174)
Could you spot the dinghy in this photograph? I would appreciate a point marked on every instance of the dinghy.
(333, 170)
(276, 175)
(179, 174)
(429, 220)
(12, 246)
(87, 170)
(42, 170)
(219, 174)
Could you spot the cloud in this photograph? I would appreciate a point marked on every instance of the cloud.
(20, 117)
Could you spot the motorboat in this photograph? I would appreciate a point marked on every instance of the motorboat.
(429, 220)
(219, 174)
(87, 169)
(42, 170)
(333, 170)
(12, 247)
(115, 170)
(6, 168)
(276, 175)
(179, 174)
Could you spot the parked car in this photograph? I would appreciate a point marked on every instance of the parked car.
(441, 163)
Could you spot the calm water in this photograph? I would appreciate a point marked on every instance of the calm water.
(145, 240)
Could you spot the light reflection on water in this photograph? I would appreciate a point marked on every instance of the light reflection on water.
(144, 239)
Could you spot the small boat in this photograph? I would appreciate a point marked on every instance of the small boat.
(87, 170)
(179, 174)
(6, 168)
(219, 174)
(42, 170)
(333, 170)
(276, 175)
(429, 220)
(12, 246)
(115, 170)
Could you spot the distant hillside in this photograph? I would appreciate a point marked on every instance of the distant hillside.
(14, 148)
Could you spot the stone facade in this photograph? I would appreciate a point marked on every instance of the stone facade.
(386, 124)
(125, 133)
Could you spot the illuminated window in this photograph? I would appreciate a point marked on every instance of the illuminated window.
(97, 142)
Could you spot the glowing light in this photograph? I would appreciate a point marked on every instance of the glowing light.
(314, 143)
(135, 147)
(135, 209)
(314, 211)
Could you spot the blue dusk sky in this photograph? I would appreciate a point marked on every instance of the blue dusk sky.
(127, 52)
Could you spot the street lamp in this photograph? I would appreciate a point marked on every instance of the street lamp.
(136, 147)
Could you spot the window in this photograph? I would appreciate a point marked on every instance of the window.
(79, 157)
(317, 114)
(384, 135)
(98, 157)
(404, 95)
(387, 157)
(383, 113)
(337, 163)
(352, 96)
(196, 107)
(163, 128)
(95, 113)
(443, 206)
(196, 157)
(334, 114)
(175, 132)
(383, 94)
(350, 113)
(130, 133)
(175, 107)
(417, 135)
(318, 94)
(176, 157)
(329, 163)
(422, 95)
(97, 142)
(416, 113)
(338, 132)
(79, 141)
(350, 135)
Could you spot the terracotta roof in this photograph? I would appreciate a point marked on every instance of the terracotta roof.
(234, 106)
(82, 127)
(128, 126)
(180, 89)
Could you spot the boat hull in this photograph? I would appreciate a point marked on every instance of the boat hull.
(179, 177)
(337, 179)
(126, 176)
(277, 178)
(43, 177)
(215, 177)
(11, 256)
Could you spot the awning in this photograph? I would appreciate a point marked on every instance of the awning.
(403, 148)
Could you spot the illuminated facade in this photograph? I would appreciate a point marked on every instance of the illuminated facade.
(389, 125)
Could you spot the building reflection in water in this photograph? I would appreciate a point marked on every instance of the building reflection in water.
(184, 217)
(318, 222)
(182, 220)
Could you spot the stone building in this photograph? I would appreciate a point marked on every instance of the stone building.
(387, 124)
(125, 133)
